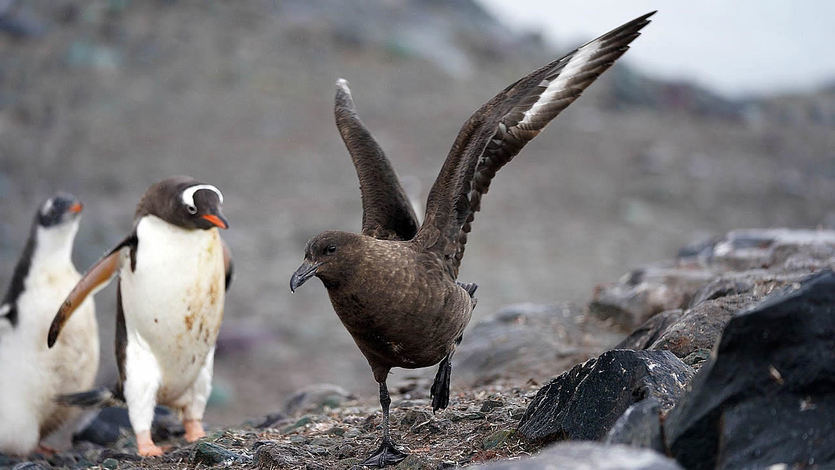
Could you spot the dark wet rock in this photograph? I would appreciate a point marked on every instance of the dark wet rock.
(767, 394)
(589, 455)
(109, 424)
(699, 327)
(645, 335)
(315, 398)
(210, 454)
(608, 385)
(528, 339)
(646, 292)
(639, 426)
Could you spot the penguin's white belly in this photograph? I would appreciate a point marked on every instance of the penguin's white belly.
(173, 300)
(32, 374)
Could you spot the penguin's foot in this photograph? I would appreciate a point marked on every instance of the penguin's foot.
(194, 429)
(386, 454)
(44, 449)
(145, 447)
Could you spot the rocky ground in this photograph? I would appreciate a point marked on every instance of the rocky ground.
(103, 97)
(727, 372)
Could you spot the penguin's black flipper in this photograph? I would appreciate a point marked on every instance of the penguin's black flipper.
(227, 263)
(94, 279)
(99, 398)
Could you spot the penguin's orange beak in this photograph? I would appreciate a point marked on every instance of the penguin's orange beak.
(217, 221)
(76, 208)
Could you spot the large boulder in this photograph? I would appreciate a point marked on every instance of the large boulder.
(589, 456)
(742, 268)
(529, 340)
(584, 403)
(645, 292)
(767, 395)
(743, 263)
(639, 426)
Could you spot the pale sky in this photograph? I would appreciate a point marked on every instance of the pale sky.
(734, 47)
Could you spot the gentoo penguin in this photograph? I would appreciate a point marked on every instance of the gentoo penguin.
(394, 285)
(31, 375)
(173, 269)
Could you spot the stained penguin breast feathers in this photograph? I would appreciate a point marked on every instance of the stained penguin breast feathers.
(174, 297)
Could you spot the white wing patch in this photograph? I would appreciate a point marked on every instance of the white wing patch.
(188, 193)
(574, 65)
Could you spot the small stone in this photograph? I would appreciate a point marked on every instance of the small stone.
(517, 412)
(270, 420)
(351, 433)
(28, 466)
(322, 441)
(317, 450)
(433, 426)
(303, 421)
(696, 357)
(467, 415)
(298, 439)
(344, 451)
(272, 455)
(496, 439)
(415, 416)
(416, 462)
(110, 463)
(490, 405)
(315, 398)
(336, 431)
(211, 454)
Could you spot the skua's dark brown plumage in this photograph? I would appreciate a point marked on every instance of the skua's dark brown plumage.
(394, 285)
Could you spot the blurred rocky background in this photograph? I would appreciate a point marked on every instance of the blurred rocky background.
(104, 97)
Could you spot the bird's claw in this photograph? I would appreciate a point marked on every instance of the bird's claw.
(386, 454)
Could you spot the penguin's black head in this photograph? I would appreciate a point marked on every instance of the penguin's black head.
(59, 209)
(184, 202)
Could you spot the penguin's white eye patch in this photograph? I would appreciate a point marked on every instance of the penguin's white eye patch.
(47, 206)
(188, 195)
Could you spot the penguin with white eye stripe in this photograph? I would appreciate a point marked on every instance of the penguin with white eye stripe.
(174, 269)
(30, 374)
